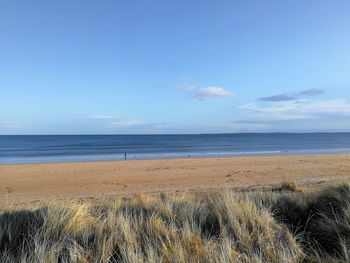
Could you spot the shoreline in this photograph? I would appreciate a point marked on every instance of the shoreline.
(196, 156)
(27, 185)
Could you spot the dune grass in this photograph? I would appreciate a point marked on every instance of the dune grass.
(194, 227)
(288, 185)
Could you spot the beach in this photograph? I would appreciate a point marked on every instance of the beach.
(27, 185)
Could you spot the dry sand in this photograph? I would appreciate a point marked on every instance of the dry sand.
(27, 185)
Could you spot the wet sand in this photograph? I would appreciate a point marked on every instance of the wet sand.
(26, 185)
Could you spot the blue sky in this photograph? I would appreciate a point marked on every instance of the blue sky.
(73, 67)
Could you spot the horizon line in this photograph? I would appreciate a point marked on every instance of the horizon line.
(145, 134)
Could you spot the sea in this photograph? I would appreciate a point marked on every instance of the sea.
(16, 149)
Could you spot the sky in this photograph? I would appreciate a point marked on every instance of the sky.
(184, 66)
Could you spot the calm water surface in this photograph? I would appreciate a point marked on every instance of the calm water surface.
(63, 148)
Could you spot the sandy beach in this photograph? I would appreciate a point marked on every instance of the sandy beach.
(24, 185)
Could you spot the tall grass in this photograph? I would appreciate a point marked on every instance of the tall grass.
(201, 227)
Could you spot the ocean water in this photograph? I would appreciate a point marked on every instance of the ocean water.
(72, 148)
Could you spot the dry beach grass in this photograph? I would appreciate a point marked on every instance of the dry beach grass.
(269, 226)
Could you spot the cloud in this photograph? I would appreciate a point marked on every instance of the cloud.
(311, 92)
(211, 93)
(281, 97)
(206, 93)
(103, 117)
(125, 123)
(287, 97)
(338, 123)
(11, 125)
(111, 121)
(250, 125)
(298, 109)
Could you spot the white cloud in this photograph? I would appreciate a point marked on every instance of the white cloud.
(210, 93)
(111, 121)
(205, 93)
(298, 109)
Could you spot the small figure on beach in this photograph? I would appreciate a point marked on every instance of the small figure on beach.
(125, 156)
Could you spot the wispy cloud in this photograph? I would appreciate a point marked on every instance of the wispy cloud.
(281, 97)
(298, 109)
(289, 97)
(111, 121)
(250, 126)
(311, 92)
(207, 93)
(125, 123)
(103, 117)
(11, 125)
